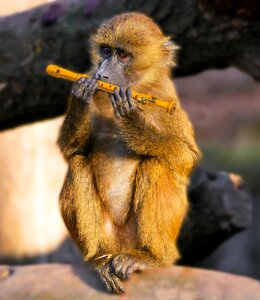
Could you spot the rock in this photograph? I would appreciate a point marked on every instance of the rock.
(79, 282)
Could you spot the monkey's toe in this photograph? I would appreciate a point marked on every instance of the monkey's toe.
(110, 279)
(124, 265)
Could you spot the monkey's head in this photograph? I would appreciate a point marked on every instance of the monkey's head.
(131, 48)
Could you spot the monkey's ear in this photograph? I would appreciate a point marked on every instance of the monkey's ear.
(170, 49)
(171, 45)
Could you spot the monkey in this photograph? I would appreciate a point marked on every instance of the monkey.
(124, 197)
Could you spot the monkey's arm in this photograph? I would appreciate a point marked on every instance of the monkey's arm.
(156, 133)
(75, 130)
(156, 137)
(167, 140)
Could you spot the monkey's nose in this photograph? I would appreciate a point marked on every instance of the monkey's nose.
(100, 77)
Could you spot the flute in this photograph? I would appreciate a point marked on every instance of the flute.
(144, 99)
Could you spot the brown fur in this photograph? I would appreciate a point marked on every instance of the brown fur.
(125, 191)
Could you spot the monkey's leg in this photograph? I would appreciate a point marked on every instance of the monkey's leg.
(160, 205)
(81, 207)
(83, 215)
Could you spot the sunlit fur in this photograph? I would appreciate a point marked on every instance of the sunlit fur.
(125, 191)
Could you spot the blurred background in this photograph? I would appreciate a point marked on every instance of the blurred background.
(225, 109)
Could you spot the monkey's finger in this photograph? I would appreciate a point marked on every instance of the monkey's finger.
(93, 89)
(92, 82)
(119, 102)
(117, 286)
(88, 83)
(130, 98)
(113, 102)
(125, 105)
(104, 274)
(106, 282)
(117, 98)
(82, 80)
(88, 86)
(111, 281)
(75, 91)
(130, 270)
(125, 271)
(118, 265)
(122, 272)
(79, 87)
(109, 288)
(122, 94)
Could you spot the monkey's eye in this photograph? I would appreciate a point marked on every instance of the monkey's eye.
(123, 56)
(105, 51)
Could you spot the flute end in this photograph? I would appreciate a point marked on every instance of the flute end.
(171, 108)
(52, 69)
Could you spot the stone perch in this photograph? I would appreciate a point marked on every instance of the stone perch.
(79, 282)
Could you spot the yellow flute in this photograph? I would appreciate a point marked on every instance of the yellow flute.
(144, 99)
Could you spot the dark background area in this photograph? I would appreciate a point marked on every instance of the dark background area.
(225, 109)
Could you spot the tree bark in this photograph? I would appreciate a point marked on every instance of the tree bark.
(218, 210)
(214, 34)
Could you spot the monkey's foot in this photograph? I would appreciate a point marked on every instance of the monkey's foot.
(108, 276)
(124, 265)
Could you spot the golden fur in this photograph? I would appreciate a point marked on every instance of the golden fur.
(125, 191)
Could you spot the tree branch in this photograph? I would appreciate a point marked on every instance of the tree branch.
(211, 35)
(218, 210)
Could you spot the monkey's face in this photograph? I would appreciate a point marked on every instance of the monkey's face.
(114, 65)
(129, 49)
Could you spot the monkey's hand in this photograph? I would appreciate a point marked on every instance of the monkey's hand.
(123, 103)
(84, 89)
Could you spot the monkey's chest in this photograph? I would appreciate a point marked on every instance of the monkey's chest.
(114, 172)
